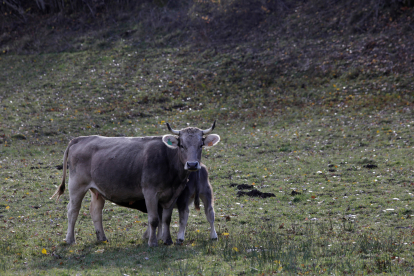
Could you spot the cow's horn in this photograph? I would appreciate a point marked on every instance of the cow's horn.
(173, 131)
(207, 131)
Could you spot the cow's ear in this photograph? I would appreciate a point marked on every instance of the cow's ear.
(211, 140)
(170, 141)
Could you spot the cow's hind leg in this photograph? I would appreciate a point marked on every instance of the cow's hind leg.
(95, 209)
(207, 199)
(76, 194)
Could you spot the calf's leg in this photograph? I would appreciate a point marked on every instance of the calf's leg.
(207, 199)
(95, 209)
(160, 226)
(165, 226)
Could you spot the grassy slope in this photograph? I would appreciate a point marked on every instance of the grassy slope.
(328, 118)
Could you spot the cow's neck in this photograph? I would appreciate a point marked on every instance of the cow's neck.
(176, 193)
(178, 166)
(180, 177)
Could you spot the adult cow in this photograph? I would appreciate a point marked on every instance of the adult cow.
(132, 169)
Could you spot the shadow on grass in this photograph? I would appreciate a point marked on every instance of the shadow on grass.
(308, 247)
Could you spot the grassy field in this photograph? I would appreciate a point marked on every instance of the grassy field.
(330, 135)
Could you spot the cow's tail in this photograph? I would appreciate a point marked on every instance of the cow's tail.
(197, 191)
(61, 189)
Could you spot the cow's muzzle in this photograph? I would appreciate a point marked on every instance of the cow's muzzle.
(192, 166)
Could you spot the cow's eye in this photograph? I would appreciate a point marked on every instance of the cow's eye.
(181, 146)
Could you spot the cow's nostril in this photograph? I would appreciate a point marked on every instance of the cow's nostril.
(192, 165)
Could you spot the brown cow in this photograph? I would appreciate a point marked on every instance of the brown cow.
(132, 169)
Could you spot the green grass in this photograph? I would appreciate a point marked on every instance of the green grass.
(342, 143)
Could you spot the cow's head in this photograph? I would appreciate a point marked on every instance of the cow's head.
(190, 142)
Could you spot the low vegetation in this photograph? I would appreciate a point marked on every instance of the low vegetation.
(314, 173)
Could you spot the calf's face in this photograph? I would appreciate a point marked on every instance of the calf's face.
(190, 142)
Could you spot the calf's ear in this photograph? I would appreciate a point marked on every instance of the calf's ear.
(211, 140)
(170, 141)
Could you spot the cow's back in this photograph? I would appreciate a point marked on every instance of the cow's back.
(113, 164)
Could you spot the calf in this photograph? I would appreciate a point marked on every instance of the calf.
(198, 185)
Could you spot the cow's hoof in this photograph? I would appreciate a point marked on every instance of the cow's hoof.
(179, 242)
(153, 244)
(69, 241)
(168, 242)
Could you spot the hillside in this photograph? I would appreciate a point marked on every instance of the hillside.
(314, 106)
(278, 54)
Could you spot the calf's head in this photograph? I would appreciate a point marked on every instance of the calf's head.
(190, 142)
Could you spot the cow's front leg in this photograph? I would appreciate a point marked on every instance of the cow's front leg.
(151, 202)
(159, 231)
(95, 209)
(165, 225)
(183, 213)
